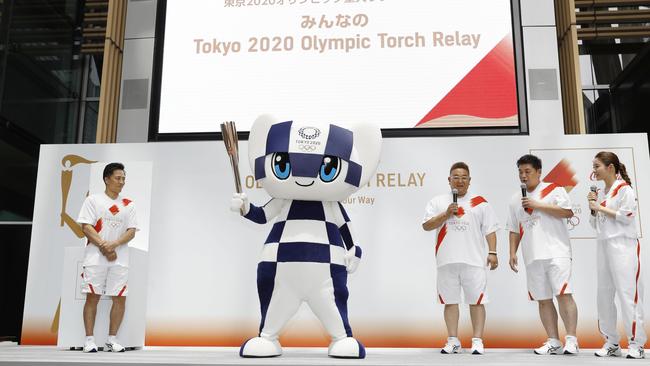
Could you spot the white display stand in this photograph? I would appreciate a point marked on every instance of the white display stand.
(71, 327)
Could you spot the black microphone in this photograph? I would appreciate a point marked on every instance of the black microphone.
(524, 192)
(454, 194)
(595, 190)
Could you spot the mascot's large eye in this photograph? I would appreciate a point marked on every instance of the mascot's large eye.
(330, 168)
(281, 165)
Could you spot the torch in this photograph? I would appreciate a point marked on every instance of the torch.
(229, 134)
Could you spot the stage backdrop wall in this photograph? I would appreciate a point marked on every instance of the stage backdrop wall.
(202, 257)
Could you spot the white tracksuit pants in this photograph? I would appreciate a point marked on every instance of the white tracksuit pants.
(619, 274)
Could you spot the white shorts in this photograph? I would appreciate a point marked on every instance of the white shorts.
(548, 278)
(105, 280)
(456, 276)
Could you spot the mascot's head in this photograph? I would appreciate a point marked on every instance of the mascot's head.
(313, 162)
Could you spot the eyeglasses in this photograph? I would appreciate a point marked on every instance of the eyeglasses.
(459, 179)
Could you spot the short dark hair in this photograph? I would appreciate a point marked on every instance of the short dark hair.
(110, 168)
(459, 165)
(530, 159)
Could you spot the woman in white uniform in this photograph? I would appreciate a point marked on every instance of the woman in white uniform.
(614, 209)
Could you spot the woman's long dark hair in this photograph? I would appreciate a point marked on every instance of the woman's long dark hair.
(607, 158)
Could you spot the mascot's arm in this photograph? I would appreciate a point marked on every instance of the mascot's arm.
(266, 213)
(353, 252)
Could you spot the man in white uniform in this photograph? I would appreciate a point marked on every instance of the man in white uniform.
(536, 223)
(462, 227)
(109, 222)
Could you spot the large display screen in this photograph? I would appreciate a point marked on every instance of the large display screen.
(397, 63)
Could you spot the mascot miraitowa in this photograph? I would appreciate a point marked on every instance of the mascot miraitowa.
(307, 169)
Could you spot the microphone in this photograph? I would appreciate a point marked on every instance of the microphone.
(454, 194)
(595, 190)
(524, 193)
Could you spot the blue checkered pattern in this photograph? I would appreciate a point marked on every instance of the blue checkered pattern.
(304, 231)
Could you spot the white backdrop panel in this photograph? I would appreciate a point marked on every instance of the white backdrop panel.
(202, 258)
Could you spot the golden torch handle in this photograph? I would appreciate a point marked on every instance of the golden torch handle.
(229, 134)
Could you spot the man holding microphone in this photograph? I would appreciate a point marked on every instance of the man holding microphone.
(463, 223)
(536, 223)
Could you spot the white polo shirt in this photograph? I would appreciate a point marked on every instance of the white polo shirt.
(542, 236)
(620, 198)
(111, 219)
(461, 239)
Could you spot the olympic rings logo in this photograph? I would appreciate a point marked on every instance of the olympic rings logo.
(572, 222)
(307, 148)
(459, 228)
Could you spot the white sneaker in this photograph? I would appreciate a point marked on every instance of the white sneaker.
(635, 351)
(477, 346)
(113, 346)
(89, 345)
(571, 345)
(551, 347)
(452, 346)
(609, 349)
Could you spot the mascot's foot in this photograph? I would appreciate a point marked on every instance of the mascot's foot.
(347, 348)
(260, 347)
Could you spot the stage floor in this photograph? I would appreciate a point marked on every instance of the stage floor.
(38, 355)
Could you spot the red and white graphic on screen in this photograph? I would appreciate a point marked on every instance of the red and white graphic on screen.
(487, 95)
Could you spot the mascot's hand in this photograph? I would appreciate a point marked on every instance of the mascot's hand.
(352, 259)
(239, 201)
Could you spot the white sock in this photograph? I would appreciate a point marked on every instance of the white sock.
(90, 338)
(453, 340)
(571, 338)
(112, 339)
(477, 339)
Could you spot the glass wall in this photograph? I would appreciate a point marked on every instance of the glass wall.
(49, 94)
(614, 59)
